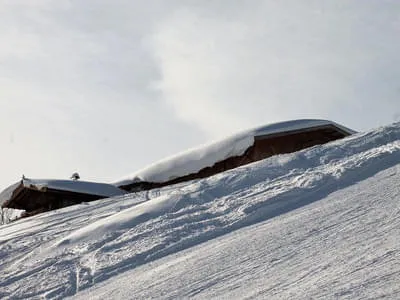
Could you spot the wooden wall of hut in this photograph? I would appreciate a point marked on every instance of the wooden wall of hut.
(36, 201)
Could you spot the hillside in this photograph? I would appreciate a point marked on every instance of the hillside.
(322, 222)
(343, 246)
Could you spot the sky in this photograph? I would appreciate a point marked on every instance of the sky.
(105, 88)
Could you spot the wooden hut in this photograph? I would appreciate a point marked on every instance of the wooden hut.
(35, 196)
(235, 151)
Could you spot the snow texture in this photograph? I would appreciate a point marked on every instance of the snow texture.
(344, 246)
(207, 155)
(319, 223)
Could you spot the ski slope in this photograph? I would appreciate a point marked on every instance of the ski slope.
(320, 223)
(343, 246)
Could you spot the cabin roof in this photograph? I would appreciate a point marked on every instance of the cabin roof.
(195, 159)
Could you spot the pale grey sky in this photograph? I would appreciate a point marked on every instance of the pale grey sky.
(106, 87)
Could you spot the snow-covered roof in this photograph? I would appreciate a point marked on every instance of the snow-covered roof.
(195, 159)
(294, 125)
(77, 186)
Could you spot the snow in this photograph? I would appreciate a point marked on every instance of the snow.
(343, 246)
(319, 223)
(121, 221)
(295, 125)
(207, 155)
(84, 187)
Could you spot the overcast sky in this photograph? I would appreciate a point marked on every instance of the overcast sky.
(107, 87)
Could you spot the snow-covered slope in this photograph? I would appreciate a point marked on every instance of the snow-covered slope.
(193, 160)
(345, 246)
(322, 222)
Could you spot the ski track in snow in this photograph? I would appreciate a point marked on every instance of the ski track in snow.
(61, 253)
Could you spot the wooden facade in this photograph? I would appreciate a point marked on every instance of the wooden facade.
(35, 201)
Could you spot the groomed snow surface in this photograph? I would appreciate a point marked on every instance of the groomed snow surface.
(320, 223)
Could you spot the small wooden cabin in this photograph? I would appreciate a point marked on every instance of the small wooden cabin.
(266, 141)
(36, 196)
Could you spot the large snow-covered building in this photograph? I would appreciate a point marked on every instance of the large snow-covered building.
(237, 150)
